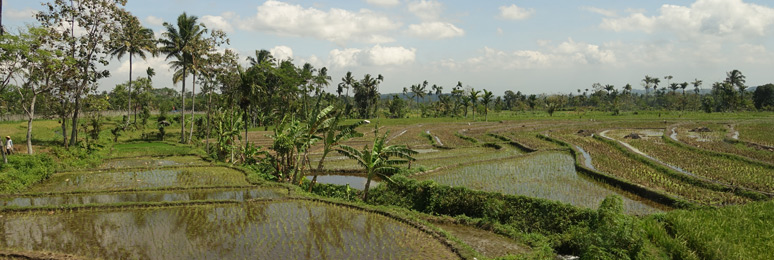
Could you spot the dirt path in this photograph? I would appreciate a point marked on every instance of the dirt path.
(438, 140)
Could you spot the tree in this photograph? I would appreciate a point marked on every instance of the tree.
(763, 97)
(696, 84)
(736, 79)
(133, 39)
(376, 159)
(348, 80)
(473, 95)
(40, 65)
(95, 20)
(178, 43)
(485, 100)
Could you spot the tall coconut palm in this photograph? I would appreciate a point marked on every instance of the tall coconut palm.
(376, 159)
(737, 80)
(133, 39)
(177, 42)
(348, 80)
(485, 100)
(474, 100)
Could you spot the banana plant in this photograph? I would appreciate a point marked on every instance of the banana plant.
(376, 159)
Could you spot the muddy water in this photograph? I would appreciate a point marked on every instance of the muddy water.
(355, 182)
(255, 230)
(548, 175)
(152, 196)
(586, 158)
(142, 179)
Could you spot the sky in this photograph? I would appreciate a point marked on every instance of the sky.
(532, 46)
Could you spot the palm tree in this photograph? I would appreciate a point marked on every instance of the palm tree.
(151, 72)
(376, 159)
(474, 100)
(322, 80)
(736, 79)
(696, 84)
(668, 78)
(348, 80)
(177, 43)
(133, 39)
(485, 100)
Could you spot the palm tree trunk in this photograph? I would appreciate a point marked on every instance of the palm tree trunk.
(193, 106)
(209, 111)
(129, 107)
(182, 111)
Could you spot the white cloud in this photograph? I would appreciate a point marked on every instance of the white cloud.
(435, 30)
(384, 3)
(514, 12)
(139, 66)
(281, 52)
(564, 55)
(217, 22)
(155, 21)
(426, 10)
(344, 58)
(14, 14)
(704, 18)
(335, 25)
(382, 56)
(376, 56)
(604, 12)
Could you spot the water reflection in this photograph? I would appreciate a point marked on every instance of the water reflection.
(355, 182)
(255, 230)
(151, 196)
(548, 175)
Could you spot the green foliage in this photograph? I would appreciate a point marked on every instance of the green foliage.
(21, 171)
(611, 235)
(523, 213)
(763, 97)
(733, 232)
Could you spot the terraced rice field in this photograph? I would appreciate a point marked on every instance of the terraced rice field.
(548, 175)
(721, 169)
(263, 230)
(178, 208)
(612, 161)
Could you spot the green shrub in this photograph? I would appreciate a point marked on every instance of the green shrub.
(21, 171)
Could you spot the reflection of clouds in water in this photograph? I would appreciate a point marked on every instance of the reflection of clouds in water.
(288, 230)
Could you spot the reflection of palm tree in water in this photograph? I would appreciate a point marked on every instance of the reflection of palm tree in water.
(326, 226)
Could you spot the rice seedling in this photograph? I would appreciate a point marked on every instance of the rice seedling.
(609, 160)
(142, 179)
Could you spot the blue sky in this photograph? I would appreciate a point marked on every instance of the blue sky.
(530, 46)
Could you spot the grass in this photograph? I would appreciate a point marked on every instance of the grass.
(734, 232)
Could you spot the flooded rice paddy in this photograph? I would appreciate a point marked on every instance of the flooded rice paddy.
(147, 196)
(153, 162)
(355, 182)
(255, 230)
(142, 179)
(548, 175)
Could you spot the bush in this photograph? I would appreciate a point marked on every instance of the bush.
(611, 235)
(21, 171)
